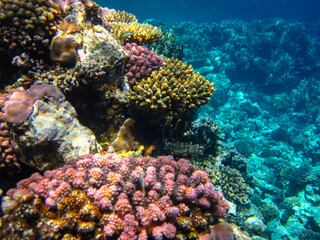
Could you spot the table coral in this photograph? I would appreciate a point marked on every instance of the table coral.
(27, 26)
(173, 89)
(104, 196)
(141, 62)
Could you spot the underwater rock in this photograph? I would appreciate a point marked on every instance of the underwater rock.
(100, 54)
(20, 104)
(53, 135)
(254, 225)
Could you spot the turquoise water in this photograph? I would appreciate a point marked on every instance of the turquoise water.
(263, 58)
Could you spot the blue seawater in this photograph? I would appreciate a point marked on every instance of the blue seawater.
(218, 10)
(264, 59)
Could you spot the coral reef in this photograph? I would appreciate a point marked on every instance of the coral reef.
(267, 52)
(173, 89)
(19, 106)
(102, 196)
(142, 33)
(167, 46)
(141, 63)
(231, 184)
(27, 26)
(63, 50)
(121, 17)
(185, 149)
(269, 212)
(52, 135)
(8, 157)
(198, 139)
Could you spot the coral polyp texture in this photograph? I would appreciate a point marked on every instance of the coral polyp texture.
(8, 155)
(27, 26)
(175, 88)
(121, 17)
(232, 184)
(108, 197)
(142, 33)
(141, 62)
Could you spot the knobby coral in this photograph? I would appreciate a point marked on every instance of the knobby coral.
(104, 196)
(141, 62)
(232, 184)
(8, 156)
(27, 26)
(173, 89)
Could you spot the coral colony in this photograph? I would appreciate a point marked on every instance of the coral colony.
(105, 196)
(63, 52)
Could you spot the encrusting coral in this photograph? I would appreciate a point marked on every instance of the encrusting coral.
(103, 196)
(27, 26)
(175, 88)
(19, 106)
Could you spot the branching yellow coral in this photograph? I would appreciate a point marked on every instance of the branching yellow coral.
(173, 89)
(141, 33)
(121, 17)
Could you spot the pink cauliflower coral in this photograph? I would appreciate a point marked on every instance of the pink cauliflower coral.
(141, 63)
(108, 196)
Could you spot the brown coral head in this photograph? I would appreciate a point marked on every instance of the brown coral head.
(63, 50)
(69, 27)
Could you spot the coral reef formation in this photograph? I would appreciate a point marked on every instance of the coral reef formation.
(231, 184)
(269, 212)
(121, 16)
(27, 26)
(19, 106)
(175, 88)
(142, 33)
(8, 157)
(101, 196)
(63, 50)
(52, 135)
(141, 63)
(167, 46)
(198, 139)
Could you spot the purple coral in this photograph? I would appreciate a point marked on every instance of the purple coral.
(109, 196)
(141, 63)
(20, 105)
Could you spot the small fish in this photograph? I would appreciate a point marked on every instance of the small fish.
(125, 35)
